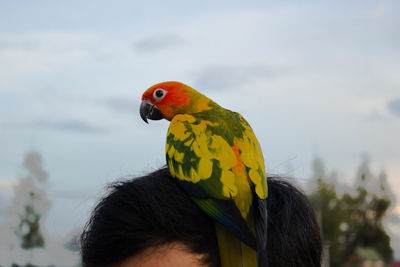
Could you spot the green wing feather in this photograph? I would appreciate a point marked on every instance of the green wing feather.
(218, 161)
(200, 149)
(195, 154)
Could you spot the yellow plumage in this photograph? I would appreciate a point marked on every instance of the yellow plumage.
(218, 161)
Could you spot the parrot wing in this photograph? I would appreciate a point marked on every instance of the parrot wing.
(216, 155)
(217, 160)
(201, 155)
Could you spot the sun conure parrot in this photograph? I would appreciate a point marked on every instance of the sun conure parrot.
(216, 158)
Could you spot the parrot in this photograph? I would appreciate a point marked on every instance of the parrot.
(217, 160)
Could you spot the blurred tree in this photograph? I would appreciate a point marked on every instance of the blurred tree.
(31, 204)
(29, 229)
(352, 221)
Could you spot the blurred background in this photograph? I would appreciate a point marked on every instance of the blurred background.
(318, 81)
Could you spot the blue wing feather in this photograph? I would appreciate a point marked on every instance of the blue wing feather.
(226, 213)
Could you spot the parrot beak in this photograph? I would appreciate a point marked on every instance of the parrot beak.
(150, 111)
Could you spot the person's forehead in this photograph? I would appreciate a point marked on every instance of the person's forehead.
(169, 255)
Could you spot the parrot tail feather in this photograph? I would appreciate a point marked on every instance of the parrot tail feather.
(233, 252)
(260, 225)
(228, 215)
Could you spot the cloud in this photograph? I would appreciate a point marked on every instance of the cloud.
(7, 184)
(69, 125)
(123, 105)
(30, 55)
(228, 78)
(50, 41)
(376, 115)
(158, 42)
(394, 106)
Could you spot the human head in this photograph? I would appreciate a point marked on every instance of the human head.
(152, 213)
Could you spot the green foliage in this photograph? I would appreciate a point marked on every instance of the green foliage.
(29, 229)
(350, 222)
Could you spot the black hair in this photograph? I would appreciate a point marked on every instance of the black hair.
(152, 210)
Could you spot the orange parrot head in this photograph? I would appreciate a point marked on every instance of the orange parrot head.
(167, 99)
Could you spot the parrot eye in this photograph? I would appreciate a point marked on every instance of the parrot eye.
(159, 94)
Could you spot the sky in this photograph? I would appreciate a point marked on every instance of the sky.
(311, 77)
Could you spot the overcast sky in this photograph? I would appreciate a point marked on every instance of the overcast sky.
(311, 77)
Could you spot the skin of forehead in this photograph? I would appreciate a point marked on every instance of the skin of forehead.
(173, 254)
